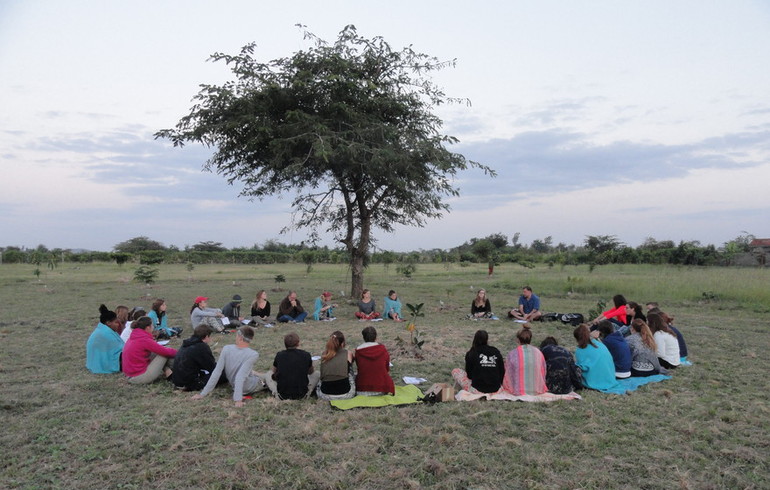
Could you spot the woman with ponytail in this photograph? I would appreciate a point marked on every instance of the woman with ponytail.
(337, 382)
(644, 360)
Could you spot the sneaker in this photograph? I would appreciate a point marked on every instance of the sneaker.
(268, 325)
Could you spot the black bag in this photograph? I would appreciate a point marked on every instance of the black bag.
(573, 319)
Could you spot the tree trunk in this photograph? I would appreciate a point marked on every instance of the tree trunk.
(356, 274)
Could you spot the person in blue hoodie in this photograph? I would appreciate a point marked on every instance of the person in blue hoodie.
(618, 347)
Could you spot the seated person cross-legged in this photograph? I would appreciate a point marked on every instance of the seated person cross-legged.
(529, 306)
(484, 367)
(290, 309)
(562, 375)
(292, 376)
(481, 306)
(373, 364)
(367, 309)
(644, 357)
(618, 347)
(525, 367)
(337, 380)
(594, 360)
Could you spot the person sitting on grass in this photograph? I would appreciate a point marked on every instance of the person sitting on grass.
(392, 307)
(529, 306)
(373, 365)
(144, 360)
(367, 309)
(260, 309)
(201, 313)
(644, 357)
(633, 311)
(122, 315)
(104, 346)
(679, 337)
(236, 362)
(133, 315)
(160, 321)
(618, 347)
(480, 306)
(337, 380)
(232, 311)
(616, 315)
(194, 361)
(324, 308)
(290, 310)
(292, 376)
(562, 376)
(665, 341)
(594, 361)
(484, 367)
(525, 367)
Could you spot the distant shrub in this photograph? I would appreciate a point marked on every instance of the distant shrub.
(145, 274)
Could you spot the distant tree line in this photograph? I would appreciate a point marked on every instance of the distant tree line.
(493, 249)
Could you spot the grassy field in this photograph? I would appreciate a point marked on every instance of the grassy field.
(65, 427)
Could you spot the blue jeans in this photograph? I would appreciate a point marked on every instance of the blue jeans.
(286, 318)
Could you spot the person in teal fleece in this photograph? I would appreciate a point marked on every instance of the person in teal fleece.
(392, 307)
(594, 360)
(324, 308)
(104, 346)
(160, 321)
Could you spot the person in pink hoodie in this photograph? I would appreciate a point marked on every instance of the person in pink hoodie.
(144, 360)
(373, 363)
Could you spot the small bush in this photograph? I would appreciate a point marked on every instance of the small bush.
(145, 274)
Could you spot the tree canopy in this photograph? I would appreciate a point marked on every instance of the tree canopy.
(348, 127)
(138, 244)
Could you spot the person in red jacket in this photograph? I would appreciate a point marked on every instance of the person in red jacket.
(144, 360)
(373, 363)
(616, 315)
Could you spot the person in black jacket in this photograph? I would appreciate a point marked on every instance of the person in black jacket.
(194, 361)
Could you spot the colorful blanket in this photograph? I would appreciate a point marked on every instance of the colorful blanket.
(465, 396)
(404, 395)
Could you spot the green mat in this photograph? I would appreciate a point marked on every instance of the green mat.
(404, 395)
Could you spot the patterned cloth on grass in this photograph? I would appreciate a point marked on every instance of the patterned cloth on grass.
(404, 395)
(465, 396)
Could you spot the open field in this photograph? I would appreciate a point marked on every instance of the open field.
(65, 427)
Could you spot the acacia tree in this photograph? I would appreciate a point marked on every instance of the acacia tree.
(348, 126)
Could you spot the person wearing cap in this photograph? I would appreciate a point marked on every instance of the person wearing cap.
(291, 310)
(232, 311)
(236, 362)
(201, 313)
(104, 346)
(324, 308)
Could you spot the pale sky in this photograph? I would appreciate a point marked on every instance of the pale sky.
(628, 118)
